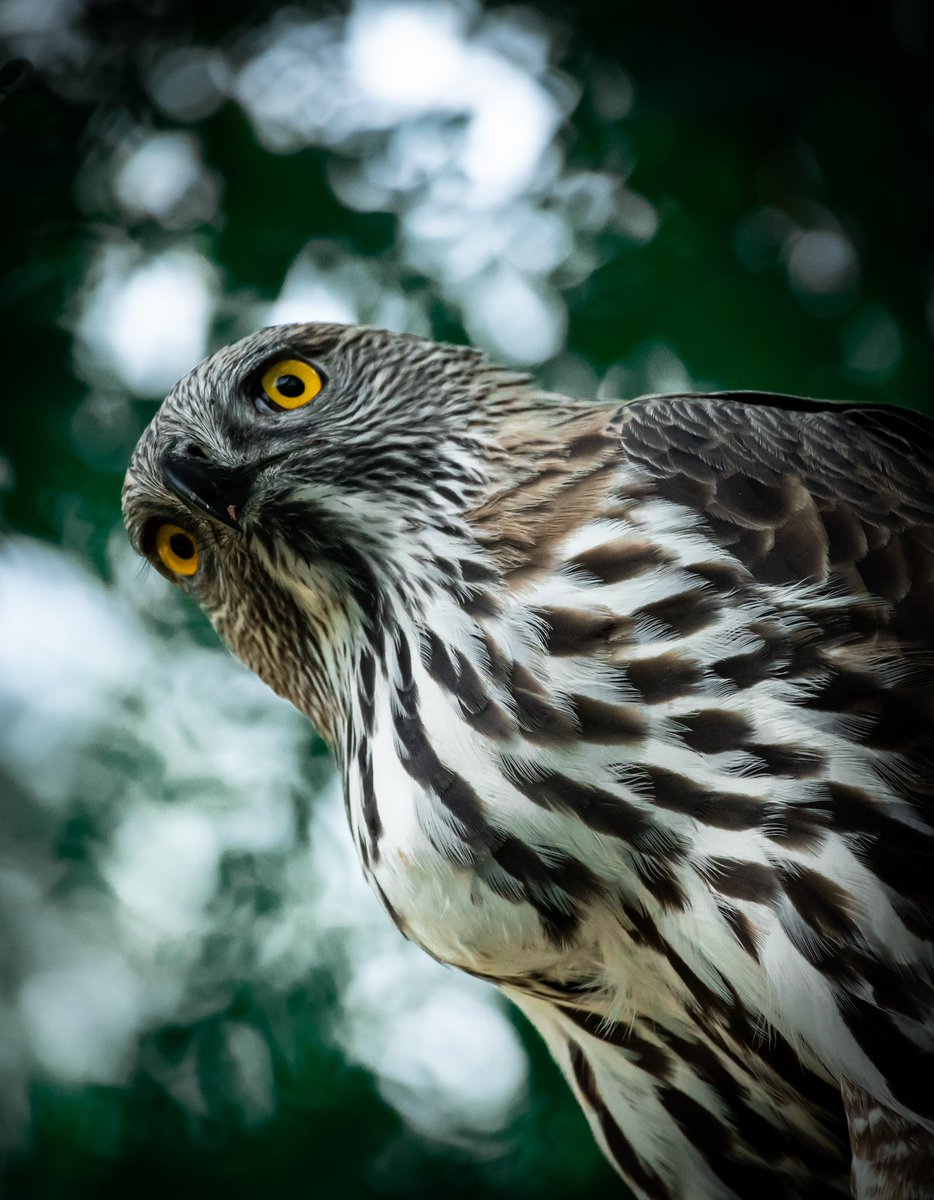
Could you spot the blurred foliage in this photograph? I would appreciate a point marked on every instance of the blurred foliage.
(781, 154)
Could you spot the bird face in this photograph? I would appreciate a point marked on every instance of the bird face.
(337, 423)
(286, 478)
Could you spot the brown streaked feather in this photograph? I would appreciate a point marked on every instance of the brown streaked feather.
(570, 478)
(813, 492)
(890, 1160)
(802, 491)
(840, 497)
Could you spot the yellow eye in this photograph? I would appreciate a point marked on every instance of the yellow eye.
(290, 383)
(177, 549)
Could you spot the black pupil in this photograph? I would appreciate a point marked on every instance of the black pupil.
(290, 385)
(182, 546)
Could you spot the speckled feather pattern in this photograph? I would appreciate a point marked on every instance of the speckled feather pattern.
(633, 705)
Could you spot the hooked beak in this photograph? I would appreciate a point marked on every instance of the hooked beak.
(221, 492)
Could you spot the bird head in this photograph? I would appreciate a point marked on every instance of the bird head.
(295, 478)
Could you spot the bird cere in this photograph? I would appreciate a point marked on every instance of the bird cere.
(632, 704)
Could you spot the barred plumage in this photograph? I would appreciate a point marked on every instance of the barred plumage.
(633, 705)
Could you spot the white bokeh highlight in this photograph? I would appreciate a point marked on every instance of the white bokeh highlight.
(161, 175)
(450, 118)
(146, 319)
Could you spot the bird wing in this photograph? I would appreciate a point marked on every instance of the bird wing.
(838, 498)
(841, 498)
(760, 569)
(802, 489)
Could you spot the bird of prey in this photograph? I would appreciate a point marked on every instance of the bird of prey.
(633, 706)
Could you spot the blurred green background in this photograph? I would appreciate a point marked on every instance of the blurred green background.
(197, 994)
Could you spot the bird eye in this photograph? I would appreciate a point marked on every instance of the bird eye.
(177, 549)
(290, 383)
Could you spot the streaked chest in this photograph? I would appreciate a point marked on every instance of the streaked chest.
(421, 797)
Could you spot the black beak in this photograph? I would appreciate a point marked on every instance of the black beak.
(221, 492)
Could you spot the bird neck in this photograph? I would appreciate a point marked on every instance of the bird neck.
(449, 653)
(439, 581)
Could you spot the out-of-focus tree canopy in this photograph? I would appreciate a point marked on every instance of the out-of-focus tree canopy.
(197, 995)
